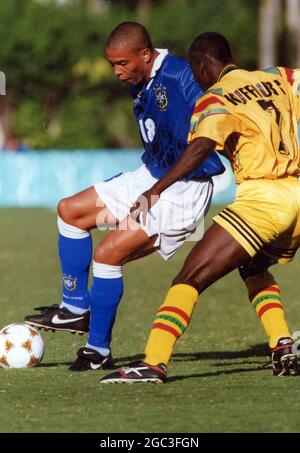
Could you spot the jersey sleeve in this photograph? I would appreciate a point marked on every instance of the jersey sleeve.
(296, 91)
(211, 119)
(292, 78)
(189, 88)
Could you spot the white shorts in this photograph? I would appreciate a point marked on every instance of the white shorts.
(175, 216)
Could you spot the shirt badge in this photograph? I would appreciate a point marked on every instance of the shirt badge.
(161, 97)
(70, 283)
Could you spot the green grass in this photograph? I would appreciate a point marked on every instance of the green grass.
(217, 379)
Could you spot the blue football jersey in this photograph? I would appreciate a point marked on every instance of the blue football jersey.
(163, 108)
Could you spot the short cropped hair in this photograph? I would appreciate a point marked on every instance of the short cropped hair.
(130, 34)
(213, 44)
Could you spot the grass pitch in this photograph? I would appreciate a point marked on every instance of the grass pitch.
(218, 381)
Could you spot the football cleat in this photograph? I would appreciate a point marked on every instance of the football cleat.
(138, 372)
(55, 318)
(284, 361)
(89, 359)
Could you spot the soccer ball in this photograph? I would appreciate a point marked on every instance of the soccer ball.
(21, 346)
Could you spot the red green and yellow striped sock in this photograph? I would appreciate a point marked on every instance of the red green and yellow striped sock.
(268, 306)
(171, 321)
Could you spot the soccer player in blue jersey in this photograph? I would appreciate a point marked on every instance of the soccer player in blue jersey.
(164, 94)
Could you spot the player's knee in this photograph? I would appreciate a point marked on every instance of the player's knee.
(68, 213)
(257, 265)
(106, 254)
(63, 209)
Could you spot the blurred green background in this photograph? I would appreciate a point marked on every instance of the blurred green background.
(60, 90)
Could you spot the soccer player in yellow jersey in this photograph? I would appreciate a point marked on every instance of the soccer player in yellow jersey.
(251, 117)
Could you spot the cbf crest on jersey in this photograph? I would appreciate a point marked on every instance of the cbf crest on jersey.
(161, 97)
(70, 283)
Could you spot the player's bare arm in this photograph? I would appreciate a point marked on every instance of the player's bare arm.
(157, 80)
(250, 228)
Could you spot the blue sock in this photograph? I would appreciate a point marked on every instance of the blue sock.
(106, 293)
(75, 256)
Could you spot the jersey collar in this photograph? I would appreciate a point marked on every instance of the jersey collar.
(226, 70)
(162, 53)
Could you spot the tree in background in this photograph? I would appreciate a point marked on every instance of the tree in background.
(279, 33)
(60, 90)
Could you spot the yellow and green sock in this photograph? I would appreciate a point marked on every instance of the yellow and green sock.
(265, 298)
(170, 323)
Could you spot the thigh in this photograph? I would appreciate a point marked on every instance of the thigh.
(126, 242)
(217, 254)
(83, 209)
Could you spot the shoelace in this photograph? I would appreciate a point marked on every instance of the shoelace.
(136, 367)
(135, 370)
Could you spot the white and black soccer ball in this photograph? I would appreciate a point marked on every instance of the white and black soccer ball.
(21, 346)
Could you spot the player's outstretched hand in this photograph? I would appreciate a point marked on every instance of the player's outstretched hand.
(142, 205)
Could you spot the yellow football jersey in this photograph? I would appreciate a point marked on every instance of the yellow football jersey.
(253, 117)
